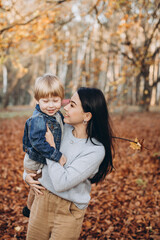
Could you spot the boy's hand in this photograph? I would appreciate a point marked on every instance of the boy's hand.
(49, 138)
(62, 160)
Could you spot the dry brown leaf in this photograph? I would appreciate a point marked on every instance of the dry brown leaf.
(135, 145)
(123, 206)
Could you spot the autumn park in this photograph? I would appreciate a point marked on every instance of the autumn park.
(113, 45)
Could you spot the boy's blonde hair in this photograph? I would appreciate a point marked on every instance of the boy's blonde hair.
(48, 85)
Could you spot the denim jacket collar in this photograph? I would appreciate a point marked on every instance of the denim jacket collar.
(39, 110)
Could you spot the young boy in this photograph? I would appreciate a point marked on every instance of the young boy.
(48, 94)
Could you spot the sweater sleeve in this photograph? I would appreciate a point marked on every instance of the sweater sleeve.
(82, 168)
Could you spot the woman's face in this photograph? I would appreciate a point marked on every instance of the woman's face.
(74, 113)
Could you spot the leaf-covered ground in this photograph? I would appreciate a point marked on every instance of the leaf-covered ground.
(126, 205)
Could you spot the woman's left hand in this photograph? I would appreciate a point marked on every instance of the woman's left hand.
(34, 184)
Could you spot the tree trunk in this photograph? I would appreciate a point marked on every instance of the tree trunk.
(80, 57)
(5, 79)
(146, 98)
(138, 81)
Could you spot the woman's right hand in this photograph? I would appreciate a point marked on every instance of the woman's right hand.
(34, 184)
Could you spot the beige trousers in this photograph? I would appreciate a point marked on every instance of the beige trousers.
(54, 218)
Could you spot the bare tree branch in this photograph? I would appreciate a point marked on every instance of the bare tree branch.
(93, 7)
(155, 11)
(58, 2)
(131, 59)
(156, 52)
(155, 83)
(149, 40)
(18, 24)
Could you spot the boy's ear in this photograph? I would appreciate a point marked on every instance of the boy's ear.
(37, 102)
(87, 116)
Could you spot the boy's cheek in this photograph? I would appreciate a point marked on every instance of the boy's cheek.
(59, 105)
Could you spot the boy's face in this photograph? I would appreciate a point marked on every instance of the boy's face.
(49, 105)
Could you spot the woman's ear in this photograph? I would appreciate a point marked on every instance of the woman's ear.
(87, 116)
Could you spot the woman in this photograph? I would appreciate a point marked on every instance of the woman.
(63, 196)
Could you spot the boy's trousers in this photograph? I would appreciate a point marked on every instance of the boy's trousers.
(31, 194)
(54, 218)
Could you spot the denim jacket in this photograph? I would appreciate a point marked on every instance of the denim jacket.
(34, 141)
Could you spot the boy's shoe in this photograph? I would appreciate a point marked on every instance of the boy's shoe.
(26, 211)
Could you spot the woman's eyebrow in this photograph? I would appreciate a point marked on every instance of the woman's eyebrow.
(73, 102)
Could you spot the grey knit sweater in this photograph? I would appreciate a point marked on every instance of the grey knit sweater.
(71, 181)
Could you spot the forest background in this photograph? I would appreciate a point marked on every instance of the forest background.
(110, 44)
(113, 45)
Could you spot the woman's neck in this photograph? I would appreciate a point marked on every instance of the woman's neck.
(79, 132)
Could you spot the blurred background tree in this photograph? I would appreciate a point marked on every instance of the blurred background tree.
(110, 44)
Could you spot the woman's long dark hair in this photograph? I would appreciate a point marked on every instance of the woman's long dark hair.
(93, 100)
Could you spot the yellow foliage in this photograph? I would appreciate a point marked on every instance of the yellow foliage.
(135, 145)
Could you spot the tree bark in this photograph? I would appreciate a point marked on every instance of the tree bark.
(146, 98)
